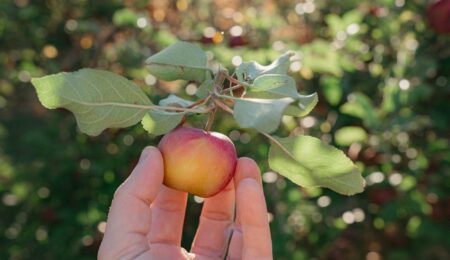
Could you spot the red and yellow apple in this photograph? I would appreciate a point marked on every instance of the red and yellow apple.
(196, 161)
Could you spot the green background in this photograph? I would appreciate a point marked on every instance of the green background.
(381, 72)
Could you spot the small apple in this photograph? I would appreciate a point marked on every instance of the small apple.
(438, 15)
(196, 161)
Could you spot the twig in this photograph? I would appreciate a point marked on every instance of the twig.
(211, 118)
(231, 88)
(223, 106)
(199, 102)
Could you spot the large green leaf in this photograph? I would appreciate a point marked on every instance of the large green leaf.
(309, 162)
(158, 122)
(181, 60)
(249, 71)
(98, 99)
(263, 115)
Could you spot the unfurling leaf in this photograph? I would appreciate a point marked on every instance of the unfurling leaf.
(271, 86)
(98, 99)
(309, 162)
(181, 60)
(249, 71)
(263, 115)
(304, 107)
(274, 86)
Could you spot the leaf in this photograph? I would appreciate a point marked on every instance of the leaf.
(98, 99)
(305, 105)
(261, 114)
(359, 105)
(348, 135)
(280, 85)
(124, 17)
(331, 89)
(272, 86)
(181, 60)
(205, 87)
(248, 71)
(172, 100)
(158, 122)
(309, 162)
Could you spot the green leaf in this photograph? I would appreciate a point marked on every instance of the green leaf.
(249, 71)
(348, 135)
(263, 115)
(181, 60)
(272, 86)
(309, 162)
(98, 99)
(158, 122)
(331, 89)
(304, 107)
(205, 87)
(125, 17)
(359, 105)
(172, 100)
(280, 85)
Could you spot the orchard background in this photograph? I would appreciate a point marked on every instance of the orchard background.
(381, 69)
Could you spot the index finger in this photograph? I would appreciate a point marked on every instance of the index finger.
(251, 212)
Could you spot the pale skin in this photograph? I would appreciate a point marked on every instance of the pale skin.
(146, 218)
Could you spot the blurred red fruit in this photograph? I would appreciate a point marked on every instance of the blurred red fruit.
(438, 16)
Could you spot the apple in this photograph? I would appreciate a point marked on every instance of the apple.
(438, 16)
(196, 161)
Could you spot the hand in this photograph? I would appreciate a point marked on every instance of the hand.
(146, 218)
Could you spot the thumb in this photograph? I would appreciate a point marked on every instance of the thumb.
(129, 218)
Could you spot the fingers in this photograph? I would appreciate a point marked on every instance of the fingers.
(168, 212)
(129, 216)
(251, 239)
(215, 222)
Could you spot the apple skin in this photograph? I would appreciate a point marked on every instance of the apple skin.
(438, 16)
(196, 161)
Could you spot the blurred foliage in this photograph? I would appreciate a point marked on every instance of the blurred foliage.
(381, 72)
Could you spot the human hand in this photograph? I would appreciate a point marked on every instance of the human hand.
(146, 218)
